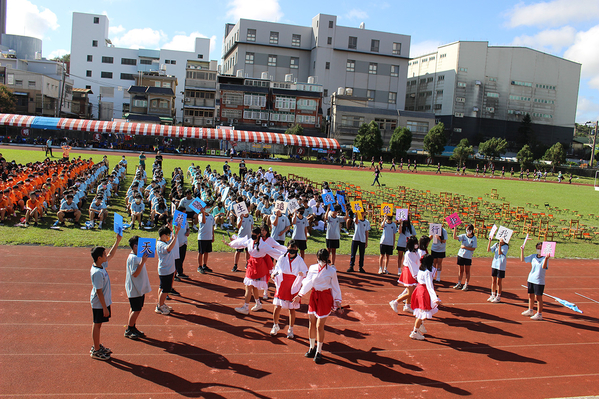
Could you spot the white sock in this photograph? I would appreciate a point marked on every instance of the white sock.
(438, 275)
(257, 301)
(319, 347)
(312, 343)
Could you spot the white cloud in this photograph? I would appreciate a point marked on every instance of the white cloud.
(25, 18)
(356, 14)
(585, 51)
(553, 40)
(553, 13)
(141, 38)
(425, 47)
(57, 53)
(587, 110)
(184, 42)
(115, 30)
(264, 10)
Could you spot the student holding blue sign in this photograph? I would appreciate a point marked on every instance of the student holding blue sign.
(205, 239)
(180, 219)
(166, 266)
(333, 235)
(137, 285)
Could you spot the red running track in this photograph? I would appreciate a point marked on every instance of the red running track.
(205, 349)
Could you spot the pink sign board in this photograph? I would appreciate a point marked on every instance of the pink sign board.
(548, 248)
(453, 220)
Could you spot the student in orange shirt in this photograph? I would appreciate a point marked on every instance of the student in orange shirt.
(66, 149)
(5, 207)
(32, 208)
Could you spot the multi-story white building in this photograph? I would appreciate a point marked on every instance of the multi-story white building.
(480, 91)
(365, 63)
(108, 70)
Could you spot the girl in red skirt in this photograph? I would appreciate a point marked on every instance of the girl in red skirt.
(325, 297)
(257, 269)
(411, 263)
(424, 298)
(287, 275)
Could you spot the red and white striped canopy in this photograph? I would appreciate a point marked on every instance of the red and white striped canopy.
(147, 129)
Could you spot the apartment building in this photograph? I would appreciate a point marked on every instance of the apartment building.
(108, 71)
(259, 104)
(200, 93)
(348, 113)
(81, 105)
(152, 99)
(480, 91)
(365, 63)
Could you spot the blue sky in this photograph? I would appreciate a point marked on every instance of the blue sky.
(567, 28)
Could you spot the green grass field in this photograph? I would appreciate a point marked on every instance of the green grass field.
(582, 199)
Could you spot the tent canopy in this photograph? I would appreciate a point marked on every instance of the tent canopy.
(147, 129)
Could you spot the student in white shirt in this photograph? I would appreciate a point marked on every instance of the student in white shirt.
(387, 240)
(324, 298)
(359, 241)
(137, 285)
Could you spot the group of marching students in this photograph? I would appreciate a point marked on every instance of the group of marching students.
(269, 258)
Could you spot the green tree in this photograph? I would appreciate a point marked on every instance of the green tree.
(435, 140)
(556, 155)
(525, 157)
(462, 151)
(526, 134)
(368, 140)
(493, 147)
(400, 142)
(296, 130)
(582, 130)
(7, 100)
(65, 58)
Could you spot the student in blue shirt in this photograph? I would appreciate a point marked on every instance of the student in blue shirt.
(467, 247)
(97, 209)
(536, 281)
(68, 210)
(137, 210)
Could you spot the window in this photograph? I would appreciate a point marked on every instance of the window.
(166, 84)
(274, 38)
(251, 35)
(439, 92)
(352, 43)
(424, 59)
(494, 95)
(541, 86)
(463, 69)
(294, 63)
(106, 75)
(282, 102)
(459, 114)
(394, 70)
(422, 81)
(32, 83)
(396, 48)
(329, 40)
(443, 56)
(200, 56)
(331, 24)
(432, 58)
(90, 58)
(460, 100)
(374, 45)
(107, 60)
(352, 121)
(350, 66)
(249, 58)
(372, 68)
(392, 97)
(492, 79)
(128, 61)
(96, 20)
(88, 73)
(173, 62)
(296, 40)
(145, 62)
(88, 87)
(438, 107)
(525, 84)
(127, 76)
(94, 43)
(140, 103)
(325, 93)
(327, 65)
(519, 98)
(461, 84)
(370, 94)
(272, 60)
(490, 109)
(440, 77)
(417, 127)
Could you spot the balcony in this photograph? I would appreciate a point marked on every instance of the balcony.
(159, 111)
(199, 102)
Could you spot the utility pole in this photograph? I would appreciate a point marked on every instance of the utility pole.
(594, 144)
(99, 107)
(64, 71)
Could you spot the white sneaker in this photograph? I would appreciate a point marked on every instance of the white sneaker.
(497, 299)
(393, 305)
(491, 298)
(162, 309)
(290, 333)
(457, 286)
(243, 309)
(100, 225)
(537, 316)
(257, 307)
(422, 329)
(528, 312)
(380, 270)
(407, 308)
(465, 287)
(438, 279)
(275, 329)
(416, 335)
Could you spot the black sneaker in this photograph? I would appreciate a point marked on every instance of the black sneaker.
(139, 333)
(184, 276)
(311, 352)
(177, 279)
(234, 269)
(77, 224)
(351, 269)
(174, 292)
(318, 358)
(201, 270)
(131, 334)
(99, 355)
(62, 224)
(207, 269)
(362, 270)
(168, 298)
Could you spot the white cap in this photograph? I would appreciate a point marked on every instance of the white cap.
(270, 169)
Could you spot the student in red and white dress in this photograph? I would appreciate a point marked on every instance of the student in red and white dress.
(289, 271)
(257, 269)
(266, 237)
(411, 263)
(424, 299)
(325, 297)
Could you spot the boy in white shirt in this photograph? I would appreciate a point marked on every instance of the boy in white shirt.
(137, 285)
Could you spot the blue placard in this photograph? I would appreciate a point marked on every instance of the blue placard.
(146, 246)
(118, 224)
(328, 198)
(180, 219)
(197, 205)
(341, 200)
(356, 149)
